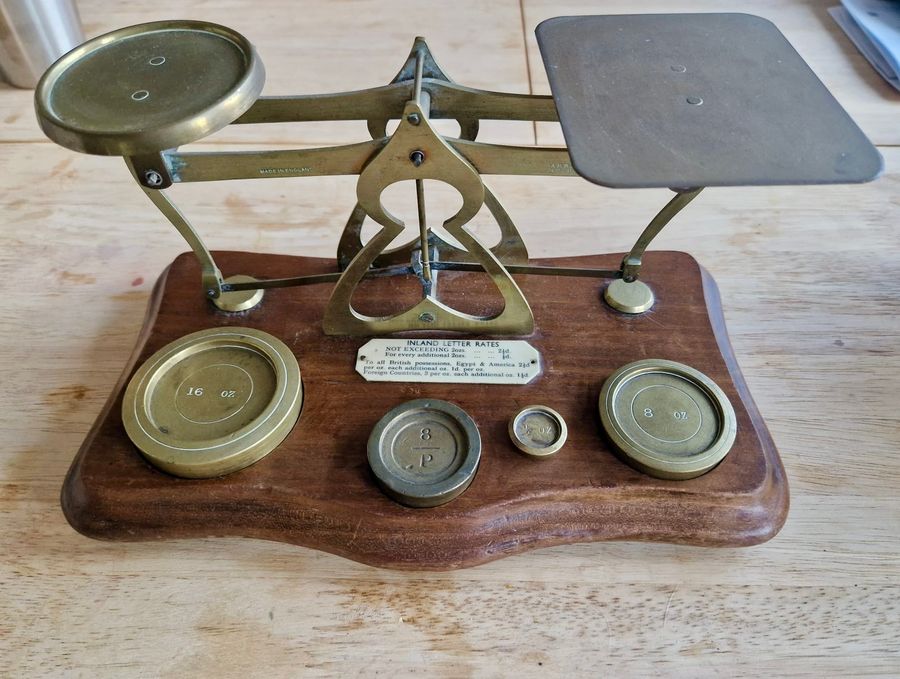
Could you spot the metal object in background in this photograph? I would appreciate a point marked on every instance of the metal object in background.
(34, 34)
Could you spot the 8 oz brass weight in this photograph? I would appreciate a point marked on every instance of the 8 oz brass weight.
(667, 419)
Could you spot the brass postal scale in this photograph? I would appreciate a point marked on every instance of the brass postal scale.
(443, 402)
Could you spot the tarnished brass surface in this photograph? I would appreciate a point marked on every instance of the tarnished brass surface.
(78, 104)
(148, 87)
(538, 431)
(211, 277)
(414, 152)
(213, 402)
(685, 100)
(631, 264)
(206, 166)
(667, 419)
(449, 100)
(510, 249)
(629, 298)
(424, 452)
(420, 92)
(419, 65)
(409, 270)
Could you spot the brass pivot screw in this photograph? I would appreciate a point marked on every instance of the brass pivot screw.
(152, 178)
(413, 119)
(417, 157)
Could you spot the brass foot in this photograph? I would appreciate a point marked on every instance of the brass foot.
(629, 298)
(239, 300)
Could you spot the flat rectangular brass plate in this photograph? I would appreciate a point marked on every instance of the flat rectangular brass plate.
(688, 100)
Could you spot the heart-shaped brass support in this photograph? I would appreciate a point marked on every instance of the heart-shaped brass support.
(415, 152)
(510, 249)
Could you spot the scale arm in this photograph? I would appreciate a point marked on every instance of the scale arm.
(356, 105)
(515, 160)
(317, 162)
(448, 100)
(351, 159)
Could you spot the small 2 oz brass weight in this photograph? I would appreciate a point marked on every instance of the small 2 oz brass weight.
(538, 431)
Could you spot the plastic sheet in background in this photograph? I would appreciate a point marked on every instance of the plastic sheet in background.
(874, 27)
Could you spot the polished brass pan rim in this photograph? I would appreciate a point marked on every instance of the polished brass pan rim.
(166, 97)
(698, 437)
(181, 414)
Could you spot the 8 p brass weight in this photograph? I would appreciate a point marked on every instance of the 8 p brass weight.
(424, 452)
(213, 402)
(667, 419)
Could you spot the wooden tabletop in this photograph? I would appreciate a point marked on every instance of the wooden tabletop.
(810, 281)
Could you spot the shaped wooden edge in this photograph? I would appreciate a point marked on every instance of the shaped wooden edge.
(538, 521)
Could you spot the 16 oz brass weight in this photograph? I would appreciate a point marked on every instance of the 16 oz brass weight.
(213, 402)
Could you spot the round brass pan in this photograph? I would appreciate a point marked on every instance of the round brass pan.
(213, 402)
(149, 87)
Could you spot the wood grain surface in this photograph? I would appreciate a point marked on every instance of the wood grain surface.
(810, 283)
(315, 489)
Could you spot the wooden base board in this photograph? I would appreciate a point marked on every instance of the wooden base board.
(316, 489)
